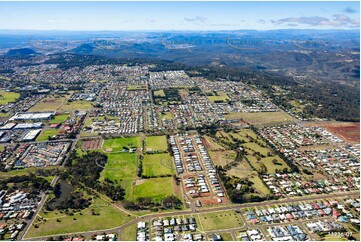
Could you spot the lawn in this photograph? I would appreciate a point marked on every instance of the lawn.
(77, 105)
(136, 87)
(153, 143)
(51, 103)
(109, 217)
(157, 165)
(222, 158)
(7, 97)
(262, 117)
(117, 144)
(155, 188)
(121, 167)
(220, 220)
(226, 236)
(221, 96)
(61, 118)
(46, 133)
(167, 115)
(129, 233)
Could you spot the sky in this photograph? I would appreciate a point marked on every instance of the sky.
(130, 16)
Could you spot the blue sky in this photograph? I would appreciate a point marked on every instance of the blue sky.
(178, 15)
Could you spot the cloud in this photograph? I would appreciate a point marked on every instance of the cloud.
(196, 20)
(349, 10)
(262, 21)
(337, 21)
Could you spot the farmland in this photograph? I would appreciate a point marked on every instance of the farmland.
(51, 103)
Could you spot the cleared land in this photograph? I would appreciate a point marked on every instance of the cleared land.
(167, 115)
(121, 167)
(157, 165)
(155, 188)
(262, 117)
(117, 144)
(220, 220)
(153, 143)
(60, 223)
(7, 97)
(348, 131)
(51, 103)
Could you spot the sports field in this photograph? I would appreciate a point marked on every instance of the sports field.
(121, 167)
(155, 188)
(159, 93)
(117, 144)
(153, 143)
(157, 165)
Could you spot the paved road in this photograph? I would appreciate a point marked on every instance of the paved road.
(118, 229)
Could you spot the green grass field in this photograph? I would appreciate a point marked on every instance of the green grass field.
(262, 117)
(159, 93)
(26, 171)
(222, 158)
(211, 144)
(77, 105)
(117, 144)
(109, 217)
(157, 165)
(7, 97)
(122, 168)
(129, 233)
(59, 118)
(220, 220)
(136, 87)
(153, 143)
(226, 236)
(256, 148)
(167, 115)
(268, 162)
(155, 188)
(221, 96)
(46, 133)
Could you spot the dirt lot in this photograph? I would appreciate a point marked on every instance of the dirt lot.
(350, 132)
(92, 144)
